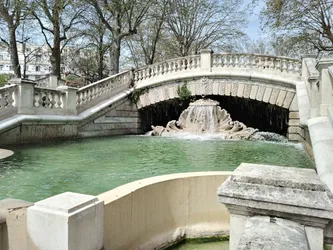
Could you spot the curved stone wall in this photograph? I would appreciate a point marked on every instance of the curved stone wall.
(158, 211)
(276, 94)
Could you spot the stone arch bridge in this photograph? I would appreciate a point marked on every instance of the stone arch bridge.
(30, 111)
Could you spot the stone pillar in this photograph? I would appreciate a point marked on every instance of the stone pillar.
(267, 194)
(67, 221)
(69, 101)
(325, 86)
(53, 82)
(24, 95)
(206, 59)
(14, 231)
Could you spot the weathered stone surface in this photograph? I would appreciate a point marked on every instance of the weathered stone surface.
(291, 193)
(264, 232)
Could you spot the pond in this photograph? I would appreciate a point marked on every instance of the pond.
(93, 166)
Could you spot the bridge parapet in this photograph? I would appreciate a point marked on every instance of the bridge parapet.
(92, 94)
(223, 64)
(257, 62)
(8, 102)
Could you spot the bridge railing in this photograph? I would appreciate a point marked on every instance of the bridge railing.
(258, 62)
(172, 66)
(8, 103)
(221, 63)
(49, 101)
(99, 91)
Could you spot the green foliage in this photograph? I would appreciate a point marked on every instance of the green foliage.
(73, 78)
(4, 79)
(136, 93)
(183, 92)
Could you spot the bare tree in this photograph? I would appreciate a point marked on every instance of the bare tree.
(306, 20)
(122, 18)
(144, 47)
(198, 24)
(12, 12)
(56, 18)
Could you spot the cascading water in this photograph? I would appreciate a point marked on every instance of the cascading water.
(205, 117)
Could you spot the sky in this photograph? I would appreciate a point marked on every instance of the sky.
(253, 29)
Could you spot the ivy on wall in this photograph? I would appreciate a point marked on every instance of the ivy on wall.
(136, 93)
(183, 92)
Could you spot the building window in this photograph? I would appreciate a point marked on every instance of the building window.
(10, 67)
(38, 58)
(1, 67)
(37, 69)
(1, 57)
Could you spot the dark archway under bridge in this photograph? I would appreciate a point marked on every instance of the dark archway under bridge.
(253, 113)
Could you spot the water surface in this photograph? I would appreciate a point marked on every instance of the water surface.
(93, 166)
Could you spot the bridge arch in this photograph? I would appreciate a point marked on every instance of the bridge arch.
(281, 95)
(275, 101)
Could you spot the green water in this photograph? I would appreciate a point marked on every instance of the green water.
(204, 246)
(93, 166)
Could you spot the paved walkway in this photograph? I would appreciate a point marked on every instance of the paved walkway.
(4, 153)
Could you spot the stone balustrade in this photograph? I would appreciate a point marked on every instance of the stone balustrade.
(257, 62)
(99, 91)
(7, 100)
(48, 98)
(225, 65)
(167, 67)
(30, 97)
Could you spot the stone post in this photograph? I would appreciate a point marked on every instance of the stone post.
(67, 221)
(206, 59)
(277, 200)
(53, 82)
(325, 86)
(69, 100)
(311, 77)
(24, 95)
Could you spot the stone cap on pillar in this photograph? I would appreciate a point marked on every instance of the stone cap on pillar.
(324, 63)
(292, 193)
(67, 88)
(19, 81)
(67, 202)
(206, 51)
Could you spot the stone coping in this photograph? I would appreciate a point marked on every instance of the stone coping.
(291, 193)
(131, 187)
(4, 153)
(16, 120)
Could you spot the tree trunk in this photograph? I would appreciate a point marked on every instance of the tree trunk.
(56, 50)
(13, 52)
(114, 57)
(100, 58)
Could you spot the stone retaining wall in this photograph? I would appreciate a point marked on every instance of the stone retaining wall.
(156, 212)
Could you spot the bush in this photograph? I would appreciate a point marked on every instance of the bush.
(4, 79)
(183, 92)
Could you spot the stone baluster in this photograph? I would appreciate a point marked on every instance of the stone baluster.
(69, 99)
(272, 63)
(284, 65)
(266, 65)
(278, 64)
(291, 68)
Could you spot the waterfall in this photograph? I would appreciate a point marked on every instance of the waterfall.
(205, 117)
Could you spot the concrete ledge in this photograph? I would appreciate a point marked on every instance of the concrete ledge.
(303, 103)
(158, 211)
(321, 133)
(16, 120)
